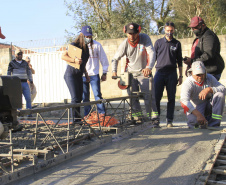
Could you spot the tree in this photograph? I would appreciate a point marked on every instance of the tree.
(211, 11)
(107, 17)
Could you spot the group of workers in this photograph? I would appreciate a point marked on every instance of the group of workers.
(202, 95)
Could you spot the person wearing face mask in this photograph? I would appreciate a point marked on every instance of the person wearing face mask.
(97, 56)
(73, 76)
(205, 48)
(168, 57)
(201, 92)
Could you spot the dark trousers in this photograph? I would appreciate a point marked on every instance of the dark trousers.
(73, 79)
(169, 80)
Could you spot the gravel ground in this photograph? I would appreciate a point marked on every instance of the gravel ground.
(169, 156)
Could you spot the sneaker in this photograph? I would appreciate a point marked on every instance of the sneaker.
(169, 125)
(156, 123)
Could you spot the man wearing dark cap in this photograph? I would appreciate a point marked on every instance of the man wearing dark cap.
(140, 55)
(206, 48)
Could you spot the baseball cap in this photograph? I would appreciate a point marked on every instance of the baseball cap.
(195, 21)
(87, 31)
(197, 68)
(1, 35)
(132, 28)
(18, 51)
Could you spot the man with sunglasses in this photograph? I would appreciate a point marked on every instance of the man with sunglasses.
(205, 48)
(20, 68)
(201, 93)
(168, 57)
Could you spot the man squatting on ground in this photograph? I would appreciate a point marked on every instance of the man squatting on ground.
(168, 56)
(202, 97)
(140, 53)
(96, 54)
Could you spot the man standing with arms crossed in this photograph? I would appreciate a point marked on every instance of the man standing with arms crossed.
(140, 53)
(168, 56)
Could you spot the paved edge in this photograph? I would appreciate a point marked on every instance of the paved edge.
(32, 169)
(205, 173)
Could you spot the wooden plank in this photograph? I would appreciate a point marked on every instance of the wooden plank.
(211, 182)
(222, 157)
(219, 171)
(221, 161)
(210, 164)
(31, 151)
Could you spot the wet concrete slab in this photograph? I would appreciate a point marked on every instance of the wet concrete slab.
(144, 156)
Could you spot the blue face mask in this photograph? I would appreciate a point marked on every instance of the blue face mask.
(87, 40)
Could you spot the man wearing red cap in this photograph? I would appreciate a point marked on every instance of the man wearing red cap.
(1, 35)
(140, 54)
(206, 48)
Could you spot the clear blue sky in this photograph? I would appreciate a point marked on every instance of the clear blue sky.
(23, 20)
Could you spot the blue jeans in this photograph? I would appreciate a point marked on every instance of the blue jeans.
(95, 84)
(73, 79)
(27, 94)
(169, 80)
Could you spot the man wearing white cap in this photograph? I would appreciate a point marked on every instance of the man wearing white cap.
(202, 93)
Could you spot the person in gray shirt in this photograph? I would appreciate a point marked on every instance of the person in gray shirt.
(202, 97)
(140, 54)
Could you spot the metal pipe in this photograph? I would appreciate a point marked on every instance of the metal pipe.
(60, 107)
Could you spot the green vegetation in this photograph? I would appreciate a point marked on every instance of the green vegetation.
(107, 17)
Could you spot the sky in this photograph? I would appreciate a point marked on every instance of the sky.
(25, 20)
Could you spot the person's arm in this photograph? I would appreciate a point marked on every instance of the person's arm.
(118, 55)
(151, 56)
(200, 118)
(151, 52)
(180, 64)
(29, 74)
(209, 49)
(185, 96)
(10, 69)
(66, 58)
(32, 70)
(104, 62)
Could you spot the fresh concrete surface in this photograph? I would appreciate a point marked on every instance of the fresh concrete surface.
(150, 156)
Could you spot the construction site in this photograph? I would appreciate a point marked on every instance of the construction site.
(49, 148)
(110, 150)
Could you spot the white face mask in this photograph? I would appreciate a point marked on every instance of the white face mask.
(87, 40)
